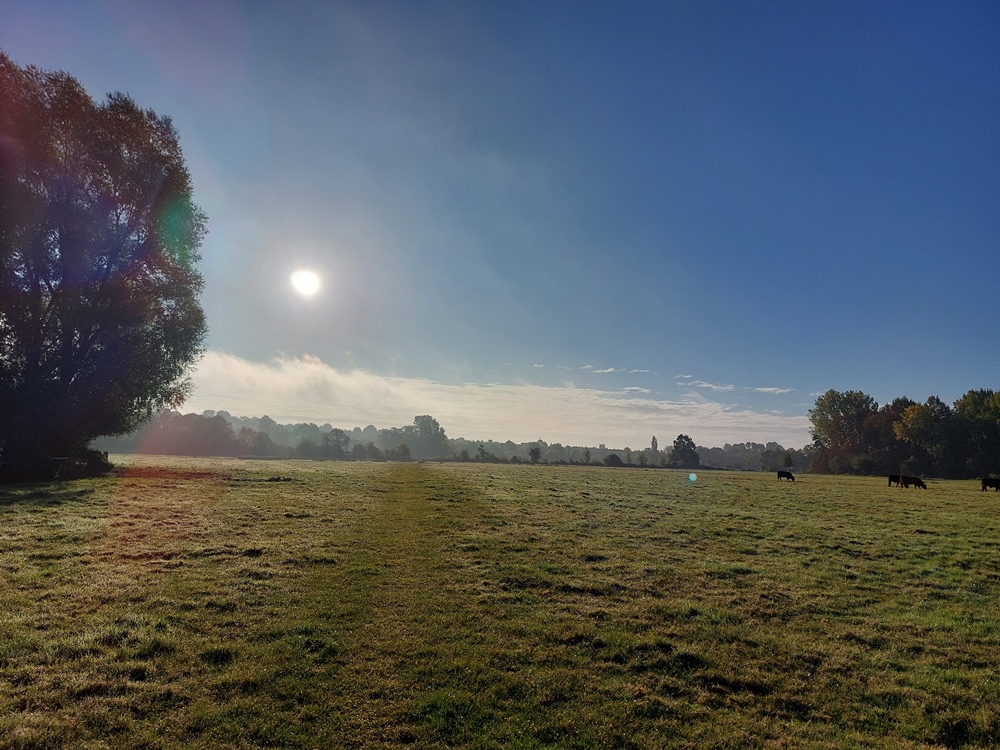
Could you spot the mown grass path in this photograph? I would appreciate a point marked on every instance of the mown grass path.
(405, 622)
(200, 603)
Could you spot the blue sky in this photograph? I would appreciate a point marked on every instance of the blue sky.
(589, 222)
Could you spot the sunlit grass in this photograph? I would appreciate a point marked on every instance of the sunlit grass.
(197, 603)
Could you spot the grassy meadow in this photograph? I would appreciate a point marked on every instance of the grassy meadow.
(203, 603)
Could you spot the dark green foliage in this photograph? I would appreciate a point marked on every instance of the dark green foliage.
(400, 453)
(841, 429)
(852, 435)
(336, 443)
(684, 454)
(99, 237)
(425, 438)
(979, 412)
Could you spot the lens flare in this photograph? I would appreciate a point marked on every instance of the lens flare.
(692, 477)
(305, 283)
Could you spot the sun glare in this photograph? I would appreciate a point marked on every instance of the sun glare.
(305, 283)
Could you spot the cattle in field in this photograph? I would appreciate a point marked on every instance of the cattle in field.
(993, 482)
(915, 481)
(785, 475)
(894, 480)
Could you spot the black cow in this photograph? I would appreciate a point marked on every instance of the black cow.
(785, 475)
(915, 481)
(894, 480)
(993, 482)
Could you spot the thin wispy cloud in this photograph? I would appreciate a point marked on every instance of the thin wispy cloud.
(305, 389)
(711, 386)
(694, 397)
(607, 370)
(728, 387)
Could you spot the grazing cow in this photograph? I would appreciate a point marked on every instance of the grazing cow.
(894, 480)
(993, 482)
(915, 481)
(785, 475)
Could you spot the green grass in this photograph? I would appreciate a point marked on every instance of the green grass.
(194, 603)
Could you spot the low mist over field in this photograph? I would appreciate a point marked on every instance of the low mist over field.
(308, 390)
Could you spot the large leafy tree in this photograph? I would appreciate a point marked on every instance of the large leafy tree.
(842, 430)
(430, 440)
(336, 443)
(887, 452)
(685, 454)
(99, 294)
(979, 411)
(425, 438)
(944, 434)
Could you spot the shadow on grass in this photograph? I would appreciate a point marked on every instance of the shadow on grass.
(42, 495)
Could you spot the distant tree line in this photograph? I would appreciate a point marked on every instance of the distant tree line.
(221, 434)
(218, 433)
(758, 457)
(852, 434)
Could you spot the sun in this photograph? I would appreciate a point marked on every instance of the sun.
(305, 282)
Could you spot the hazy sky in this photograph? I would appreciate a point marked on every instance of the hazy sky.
(589, 222)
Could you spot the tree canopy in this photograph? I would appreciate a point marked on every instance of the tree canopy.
(853, 435)
(685, 454)
(841, 427)
(100, 317)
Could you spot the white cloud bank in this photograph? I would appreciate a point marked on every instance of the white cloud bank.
(308, 390)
